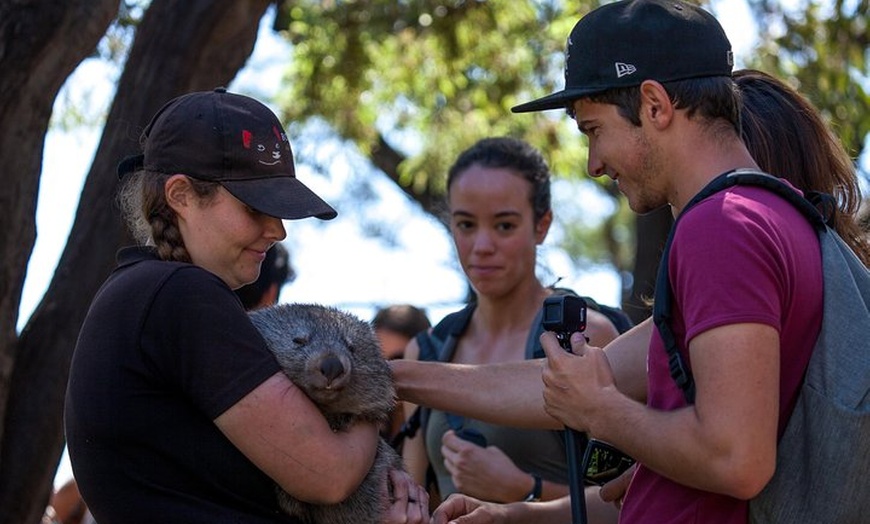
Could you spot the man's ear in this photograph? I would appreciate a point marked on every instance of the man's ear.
(543, 226)
(655, 104)
(178, 192)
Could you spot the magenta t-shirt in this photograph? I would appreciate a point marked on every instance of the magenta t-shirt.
(742, 255)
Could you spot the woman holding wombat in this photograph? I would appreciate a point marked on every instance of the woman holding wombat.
(176, 410)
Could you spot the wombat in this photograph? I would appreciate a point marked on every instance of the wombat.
(335, 358)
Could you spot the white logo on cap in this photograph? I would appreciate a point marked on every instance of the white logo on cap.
(624, 69)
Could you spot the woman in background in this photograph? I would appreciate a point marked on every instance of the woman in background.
(498, 194)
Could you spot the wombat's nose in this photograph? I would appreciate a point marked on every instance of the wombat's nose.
(331, 368)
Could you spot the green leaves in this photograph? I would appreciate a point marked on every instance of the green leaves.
(822, 49)
(440, 74)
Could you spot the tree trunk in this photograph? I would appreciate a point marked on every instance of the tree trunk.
(41, 43)
(180, 46)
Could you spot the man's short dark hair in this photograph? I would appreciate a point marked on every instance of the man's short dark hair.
(712, 98)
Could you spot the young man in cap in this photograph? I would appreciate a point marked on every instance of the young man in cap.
(649, 83)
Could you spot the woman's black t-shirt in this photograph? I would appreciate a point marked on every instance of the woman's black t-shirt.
(166, 348)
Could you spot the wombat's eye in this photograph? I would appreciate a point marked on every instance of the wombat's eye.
(300, 341)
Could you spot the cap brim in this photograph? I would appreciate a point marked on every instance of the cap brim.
(558, 100)
(280, 196)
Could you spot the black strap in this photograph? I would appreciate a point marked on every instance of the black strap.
(437, 345)
(408, 430)
(662, 307)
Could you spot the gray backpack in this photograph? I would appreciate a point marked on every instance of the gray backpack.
(823, 458)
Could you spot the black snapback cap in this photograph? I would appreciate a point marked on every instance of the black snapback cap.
(234, 140)
(624, 43)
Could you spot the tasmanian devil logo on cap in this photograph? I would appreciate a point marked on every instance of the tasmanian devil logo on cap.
(269, 149)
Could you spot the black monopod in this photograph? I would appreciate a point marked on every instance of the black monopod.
(563, 315)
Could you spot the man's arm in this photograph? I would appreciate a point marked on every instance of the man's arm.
(510, 393)
(627, 358)
(724, 443)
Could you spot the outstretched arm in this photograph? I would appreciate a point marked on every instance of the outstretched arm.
(725, 442)
(510, 393)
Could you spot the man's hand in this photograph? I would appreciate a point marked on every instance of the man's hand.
(574, 382)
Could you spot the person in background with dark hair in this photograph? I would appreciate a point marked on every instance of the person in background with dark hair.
(176, 410)
(274, 273)
(788, 138)
(396, 325)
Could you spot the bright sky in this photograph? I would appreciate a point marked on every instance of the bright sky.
(336, 262)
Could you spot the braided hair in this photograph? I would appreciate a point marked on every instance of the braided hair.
(150, 218)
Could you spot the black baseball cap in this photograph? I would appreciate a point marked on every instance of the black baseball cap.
(234, 140)
(624, 43)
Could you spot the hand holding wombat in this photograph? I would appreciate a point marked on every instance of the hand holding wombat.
(335, 358)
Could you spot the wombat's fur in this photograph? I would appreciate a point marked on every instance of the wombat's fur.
(336, 359)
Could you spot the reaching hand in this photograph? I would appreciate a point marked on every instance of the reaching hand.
(614, 491)
(410, 503)
(462, 509)
(574, 382)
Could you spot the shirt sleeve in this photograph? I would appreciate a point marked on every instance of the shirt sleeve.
(725, 265)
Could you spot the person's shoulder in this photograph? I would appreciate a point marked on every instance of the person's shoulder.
(180, 285)
(740, 206)
(600, 328)
(455, 322)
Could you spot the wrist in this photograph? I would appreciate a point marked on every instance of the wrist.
(521, 513)
(534, 493)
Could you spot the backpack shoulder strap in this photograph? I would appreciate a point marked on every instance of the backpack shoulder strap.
(679, 370)
(439, 344)
(436, 345)
(808, 205)
(620, 320)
